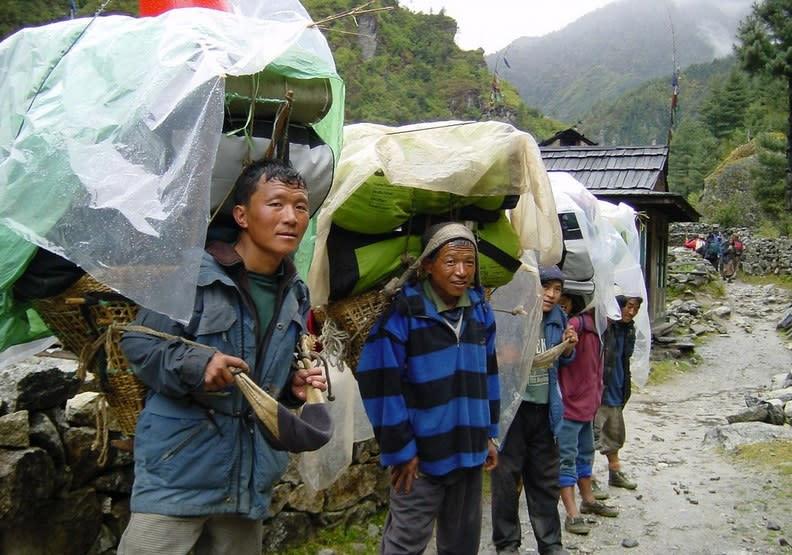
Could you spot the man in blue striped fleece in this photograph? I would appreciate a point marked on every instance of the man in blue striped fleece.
(429, 381)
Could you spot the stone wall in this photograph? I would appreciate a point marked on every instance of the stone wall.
(55, 497)
(760, 256)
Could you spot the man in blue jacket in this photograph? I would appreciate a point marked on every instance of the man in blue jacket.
(428, 377)
(203, 472)
(530, 450)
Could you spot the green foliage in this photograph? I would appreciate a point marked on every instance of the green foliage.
(693, 155)
(724, 110)
(343, 540)
(16, 14)
(415, 72)
(768, 178)
(728, 214)
(766, 48)
(643, 115)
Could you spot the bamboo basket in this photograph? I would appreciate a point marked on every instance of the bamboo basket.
(356, 316)
(83, 319)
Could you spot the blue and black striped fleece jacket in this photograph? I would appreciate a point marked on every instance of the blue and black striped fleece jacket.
(428, 392)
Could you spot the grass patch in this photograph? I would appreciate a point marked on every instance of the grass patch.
(783, 281)
(716, 289)
(344, 540)
(663, 370)
(775, 455)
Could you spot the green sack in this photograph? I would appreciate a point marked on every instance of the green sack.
(377, 206)
(360, 261)
(499, 251)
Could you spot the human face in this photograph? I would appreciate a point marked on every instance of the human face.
(272, 224)
(451, 271)
(551, 294)
(565, 303)
(629, 310)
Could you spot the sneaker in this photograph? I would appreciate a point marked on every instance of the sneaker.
(617, 479)
(599, 493)
(508, 551)
(598, 508)
(576, 525)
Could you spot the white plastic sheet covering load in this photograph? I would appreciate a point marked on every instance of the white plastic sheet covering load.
(468, 159)
(464, 158)
(109, 130)
(629, 279)
(518, 314)
(599, 238)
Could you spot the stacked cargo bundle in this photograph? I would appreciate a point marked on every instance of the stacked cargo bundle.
(394, 183)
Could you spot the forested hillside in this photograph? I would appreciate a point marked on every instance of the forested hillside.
(616, 48)
(402, 67)
(398, 67)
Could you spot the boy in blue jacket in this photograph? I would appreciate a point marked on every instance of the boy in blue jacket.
(530, 451)
(428, 377)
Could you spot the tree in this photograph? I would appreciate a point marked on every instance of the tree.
(725, 108)
(766, 47)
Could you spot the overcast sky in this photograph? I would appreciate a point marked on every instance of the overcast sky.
(493, 24)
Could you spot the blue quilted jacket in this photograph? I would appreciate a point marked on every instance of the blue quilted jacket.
(199, 453)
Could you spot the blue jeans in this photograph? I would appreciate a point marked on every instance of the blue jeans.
(576, 448)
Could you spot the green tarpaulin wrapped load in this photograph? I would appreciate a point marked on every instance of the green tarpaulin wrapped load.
(393, 183)
(360, 261)
(83, 90)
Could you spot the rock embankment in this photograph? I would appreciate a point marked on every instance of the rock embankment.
(762, 256)
(56, 496)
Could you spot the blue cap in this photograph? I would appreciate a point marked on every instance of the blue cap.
(550, 273)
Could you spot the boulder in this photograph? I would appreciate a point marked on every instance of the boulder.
(38, 384)
(731, 436)
(15, 430)
(27, 477)
(67, 526)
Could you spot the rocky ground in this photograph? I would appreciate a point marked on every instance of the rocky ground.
(693, 497)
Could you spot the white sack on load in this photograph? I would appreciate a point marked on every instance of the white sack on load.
(463, 158)
(628, 277)
(600, 242)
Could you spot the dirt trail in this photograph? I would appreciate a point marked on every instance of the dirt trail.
(690, 498)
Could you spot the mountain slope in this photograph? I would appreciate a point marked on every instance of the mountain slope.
(616, 48)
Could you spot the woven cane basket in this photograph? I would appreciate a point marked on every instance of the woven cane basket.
(356, 316)
(82, 318)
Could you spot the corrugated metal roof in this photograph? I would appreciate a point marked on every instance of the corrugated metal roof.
(609, 168)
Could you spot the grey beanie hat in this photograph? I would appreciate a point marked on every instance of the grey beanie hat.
(440, 234)
(550, 273)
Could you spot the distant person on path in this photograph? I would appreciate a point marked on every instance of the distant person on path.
(530, 452)
(609, 428)
(581, 389)
(712, 249)
(696, 243)
(203, 472)
(730, 257)
(428, 377)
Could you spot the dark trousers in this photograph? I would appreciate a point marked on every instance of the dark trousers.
(529, 452)
(453, 502)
